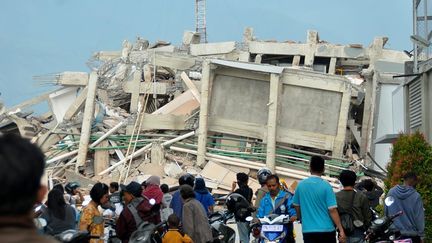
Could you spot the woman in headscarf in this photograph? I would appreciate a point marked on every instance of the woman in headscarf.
(203, 195)
(152, 189)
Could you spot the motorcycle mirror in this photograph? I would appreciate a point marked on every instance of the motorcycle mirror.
(249, 218)
(389, 201)
(152, 201)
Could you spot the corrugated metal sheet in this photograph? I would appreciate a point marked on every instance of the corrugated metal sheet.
(415, 104)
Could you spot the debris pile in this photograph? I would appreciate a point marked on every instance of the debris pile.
(209, 109)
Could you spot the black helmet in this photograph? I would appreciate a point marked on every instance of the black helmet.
(187, 179)
(234, 200)
(238, 205)
(262, 175)
(71, 186)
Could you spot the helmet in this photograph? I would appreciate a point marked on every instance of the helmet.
(234, 200)
(71, 186)
(187, 179)
(239, 206)
(262, 175)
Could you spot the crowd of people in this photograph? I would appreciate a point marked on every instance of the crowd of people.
(313, 203)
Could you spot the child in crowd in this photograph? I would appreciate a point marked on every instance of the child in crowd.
(174, 235)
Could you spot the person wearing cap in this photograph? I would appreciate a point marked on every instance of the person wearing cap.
(137, 209)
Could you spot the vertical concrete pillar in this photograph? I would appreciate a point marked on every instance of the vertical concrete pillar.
(274, 99)
(204, 111)
(87, 120)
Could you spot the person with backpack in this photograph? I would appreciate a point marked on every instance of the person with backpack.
(278, 201)
(353, 208)
(137, 209)
(247, 193)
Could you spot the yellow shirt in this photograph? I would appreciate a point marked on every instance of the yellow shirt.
(87, 222)
(174, 236)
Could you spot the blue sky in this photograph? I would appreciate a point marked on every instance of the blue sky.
(51, 36)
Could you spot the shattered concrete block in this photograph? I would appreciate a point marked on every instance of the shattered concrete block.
(157, 154)
(82, 180)
(173, 170)
(152, 169)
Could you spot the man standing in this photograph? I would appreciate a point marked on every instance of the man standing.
(136, 210)
(247, 193)
(177, 202)
(354, 203)
(21, 168)
(195, 221)
(372, 191)
(279, 202)
(412, 222)
(114, 193)
(316, 207)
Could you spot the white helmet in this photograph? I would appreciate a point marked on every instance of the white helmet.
(262, 175)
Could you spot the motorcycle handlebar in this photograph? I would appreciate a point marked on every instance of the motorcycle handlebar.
(396, 215)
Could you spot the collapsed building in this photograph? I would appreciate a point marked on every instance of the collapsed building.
(215, 109)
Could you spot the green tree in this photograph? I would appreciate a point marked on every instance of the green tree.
(411, 152)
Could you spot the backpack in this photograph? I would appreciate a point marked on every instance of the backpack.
(347, 218)
(144, 228)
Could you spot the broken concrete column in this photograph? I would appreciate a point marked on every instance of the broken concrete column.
(101, 158)
(87, 120)
(312, 40)
(274, 100)
(157, 154)
(191, 37)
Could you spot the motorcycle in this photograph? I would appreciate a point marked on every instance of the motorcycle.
(271, 228)
(380, 230)
(220, 230)
(148, 233)
(109, 231)
(75, 236)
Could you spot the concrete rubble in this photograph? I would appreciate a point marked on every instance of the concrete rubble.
(211, 109)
